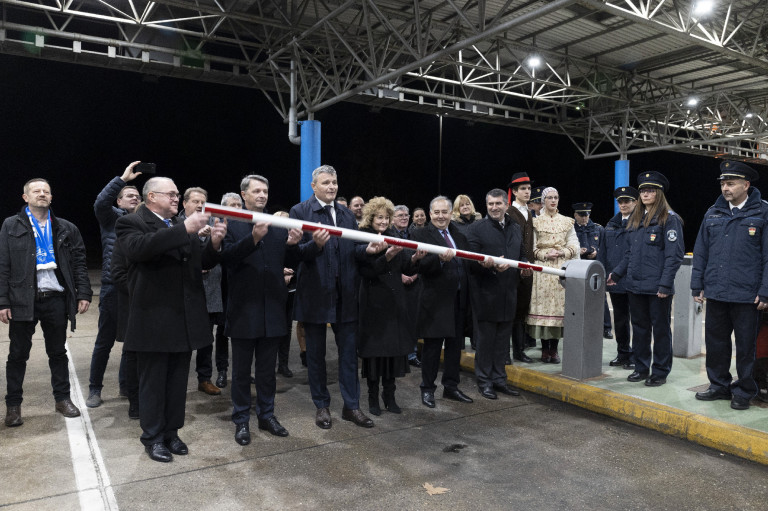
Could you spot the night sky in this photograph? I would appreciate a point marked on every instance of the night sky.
(79, 127)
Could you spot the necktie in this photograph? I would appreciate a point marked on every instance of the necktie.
(447, 239)
(624, 223)
(167, 222)
(734, 211)
(404, 234)
(330, 215)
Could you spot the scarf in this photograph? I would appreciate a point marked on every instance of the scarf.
(46, 258)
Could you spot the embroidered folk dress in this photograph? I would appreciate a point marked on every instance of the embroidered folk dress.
(545, 317)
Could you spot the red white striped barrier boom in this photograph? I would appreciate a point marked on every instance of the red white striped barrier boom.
(366, 237)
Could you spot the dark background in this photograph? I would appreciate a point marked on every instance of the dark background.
(79, 127)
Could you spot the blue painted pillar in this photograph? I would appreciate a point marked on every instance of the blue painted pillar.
(621, 177)
(310, 155)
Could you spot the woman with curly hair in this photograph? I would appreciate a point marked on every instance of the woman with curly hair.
(385, 338)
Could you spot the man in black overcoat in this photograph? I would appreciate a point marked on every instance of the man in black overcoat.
(443, 304)
(493, 292)
(254, 257)
(168, 318)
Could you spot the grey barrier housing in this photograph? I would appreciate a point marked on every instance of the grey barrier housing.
(584, 283)
(687, 336)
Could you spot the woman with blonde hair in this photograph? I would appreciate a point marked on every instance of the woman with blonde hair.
(385, 338)
(464, 212)
(554, 243)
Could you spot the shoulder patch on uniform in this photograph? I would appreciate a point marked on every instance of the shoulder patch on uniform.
(672, 235)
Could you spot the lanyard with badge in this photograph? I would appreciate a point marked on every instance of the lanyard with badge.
(45, 255)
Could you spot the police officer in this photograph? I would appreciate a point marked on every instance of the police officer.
(610, 252)
(653, 257)
(589, 234)
(729, 261)
(534, 203)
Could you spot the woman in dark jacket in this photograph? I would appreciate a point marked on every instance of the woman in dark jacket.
(385, 338)
(654, 254)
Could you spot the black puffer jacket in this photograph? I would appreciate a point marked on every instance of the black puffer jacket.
(107, 214)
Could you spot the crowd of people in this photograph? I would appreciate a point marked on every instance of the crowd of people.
(172, 276)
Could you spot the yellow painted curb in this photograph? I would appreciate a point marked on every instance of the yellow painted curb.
(743, 442)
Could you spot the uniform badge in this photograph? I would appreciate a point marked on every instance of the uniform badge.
(752, 231)
(653, 237)
(672, 235)
(597, 237)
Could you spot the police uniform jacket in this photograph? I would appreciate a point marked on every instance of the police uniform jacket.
(441, 283)
(612, 248)
(589, 236)
(493, 294)
(731, 252)
(165, 285)
(18, 266)
(385, 321)
(256, 290)
(317, 286)
(653, 256)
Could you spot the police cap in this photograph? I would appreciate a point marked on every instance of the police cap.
(737, 170)
(625, 192)
(652, 179)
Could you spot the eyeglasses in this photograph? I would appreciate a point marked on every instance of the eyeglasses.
(171, 195)
(130, 196)
(647, 190)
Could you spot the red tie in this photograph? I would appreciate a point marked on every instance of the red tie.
(448, 239)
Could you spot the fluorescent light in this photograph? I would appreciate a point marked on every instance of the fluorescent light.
(692, 102)
(703, 7)
(534, 61)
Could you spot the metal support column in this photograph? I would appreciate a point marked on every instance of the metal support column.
(310, 155)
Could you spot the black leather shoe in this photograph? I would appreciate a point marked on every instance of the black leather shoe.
(323, 418)
(273, 426)
(159, 452)
(618, 361)
(242, 434)
(456, 395)
(221, 379)
(629, 366)
(428, 398)
(13, 416)
(607, 333)
(508, 360)
(176, 446)
(636, 377)
(285, 371)
(357, 417)
(739, 403)
(506, 389)
(487, 392)
(415, 362)
(655, 381)
(67, 408)
(522, 357)
(712, 394)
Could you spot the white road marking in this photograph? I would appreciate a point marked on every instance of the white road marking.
(93, 486)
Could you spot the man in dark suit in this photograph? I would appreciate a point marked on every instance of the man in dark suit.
(493, 292)
(411, 282)
(443, 304)
(168, 317)
(254, 257)
(326, 292)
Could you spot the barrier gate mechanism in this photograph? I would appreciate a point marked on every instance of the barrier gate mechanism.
(584, 283)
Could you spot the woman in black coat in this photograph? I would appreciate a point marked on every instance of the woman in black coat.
(385, 338)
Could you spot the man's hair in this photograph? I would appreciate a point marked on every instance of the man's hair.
(401, 207)
(323, 169)
(152, 184)
(440, 197)
(230, 195)
(496, 192)
(194, 189)
(342, 199)
(123, 189)
(356, 197)
(26, 185)
(246, 181)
